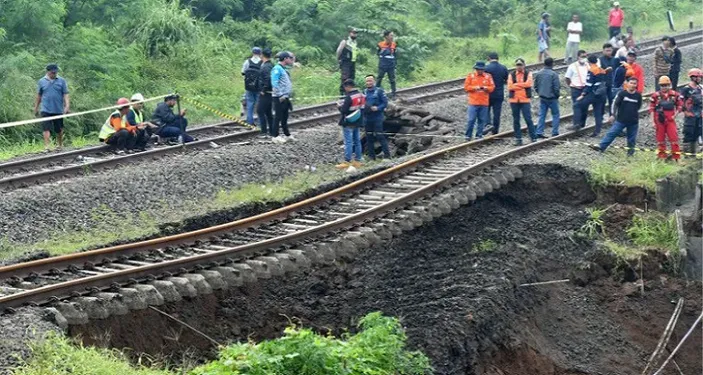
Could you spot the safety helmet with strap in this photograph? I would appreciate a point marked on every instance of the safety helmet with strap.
(695, 72)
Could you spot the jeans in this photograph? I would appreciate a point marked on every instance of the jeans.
(578, 118)
(352, 143)
(374, 131)
(174, 130)
(526, 110)
(598, 104)
(281, 118)
(265, 112)
(552, 105)
(495, 106)
(474, 113)
(382, 70)
(611, 99)
(251, 105)
(617, 129)
(571, 51)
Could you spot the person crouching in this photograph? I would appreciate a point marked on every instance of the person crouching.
(116, 132)
(351, 119)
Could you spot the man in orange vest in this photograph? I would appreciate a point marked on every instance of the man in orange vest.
(664, 106)
(519, 94)
(386, 60)
(478, 85)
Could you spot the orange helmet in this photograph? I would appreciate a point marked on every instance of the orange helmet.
(122, 101)
(664, 80)
(695, 72)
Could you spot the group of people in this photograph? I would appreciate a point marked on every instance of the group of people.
(594, 81)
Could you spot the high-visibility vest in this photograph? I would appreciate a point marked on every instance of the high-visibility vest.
(107, 130)
(138, 116)
(351, 50)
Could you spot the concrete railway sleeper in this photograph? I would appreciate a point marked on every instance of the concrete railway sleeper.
(338, 224)
(25, 172)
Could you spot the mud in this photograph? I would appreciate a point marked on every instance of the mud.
(463, 307)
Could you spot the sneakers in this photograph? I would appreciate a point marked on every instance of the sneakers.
(279, 140)
(468, 139)
(343, 165)
(595, 148)
(574, 128)
(291, 138)
(356, 164)
(119, 152)
(542, 136)
(517, 142)
(180, 140)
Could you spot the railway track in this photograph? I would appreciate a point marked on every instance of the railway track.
(330, 226)
(24, 172)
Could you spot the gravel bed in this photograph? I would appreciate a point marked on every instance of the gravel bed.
(17, 329)
(154, 186)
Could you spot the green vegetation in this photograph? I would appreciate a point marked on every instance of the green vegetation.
(594, 225)
(655, 230)
(109, 49)
(642, 169)
(624, 252)
(378, 348)
(484, 246)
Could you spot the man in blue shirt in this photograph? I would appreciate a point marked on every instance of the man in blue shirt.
(376, 103)
(52, 94)
(495, 100)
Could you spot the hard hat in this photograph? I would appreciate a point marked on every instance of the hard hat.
(664, 80)
(616, 4)
(137, 97)
(122, 101)
(695, 72)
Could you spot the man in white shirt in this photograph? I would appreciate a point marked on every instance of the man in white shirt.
(576, 76)
(574, 30)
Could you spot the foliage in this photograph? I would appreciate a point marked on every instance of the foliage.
(484, 246)
(643, 169)
(624, 253)
(655, 230)
(378, 348)
(594, 225)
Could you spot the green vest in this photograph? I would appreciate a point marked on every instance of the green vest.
(138, 116)
(107, 130)
(351, 46)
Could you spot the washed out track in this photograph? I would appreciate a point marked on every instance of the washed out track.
(27, 171)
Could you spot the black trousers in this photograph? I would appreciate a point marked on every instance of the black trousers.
(348, 69)
(281, 118)
(382, 71)
(122, 140)
(265, 112)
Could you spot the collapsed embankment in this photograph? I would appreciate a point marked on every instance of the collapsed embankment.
(455, 285)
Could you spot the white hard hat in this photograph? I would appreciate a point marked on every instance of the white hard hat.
(616, 4)
(137, 97)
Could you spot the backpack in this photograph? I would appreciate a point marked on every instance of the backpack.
(528, 91)
(251, 76)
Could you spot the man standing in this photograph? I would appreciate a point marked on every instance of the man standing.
(664, 106)
(574, 30)
(519, 94)
(499, 73)
(576, 75)
(170, 124)
(479, 85)
(615, 19)
(548, 88)
(594, 94)
(282, 88)
(52, 94)
(350, 120)
(605, 61)
(625, 116)
(543, 30)
(621, 75)
(376, 103)
(637, 70)
(250, 72)
(693, 109)
(387, 59)
(347, 52)
(676, 60)
(662, 61)
(263, 83)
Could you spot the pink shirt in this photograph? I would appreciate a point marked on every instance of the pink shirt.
(616, 17)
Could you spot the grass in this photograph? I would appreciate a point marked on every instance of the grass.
(484, 246)
(594, 225)
(642, 169)
(33, 146)
(655, 230)
(624, 252)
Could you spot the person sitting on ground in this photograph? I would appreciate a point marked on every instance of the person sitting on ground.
(625, 115)
(351, 119)
(170, 124)
(116, 132)
(135, 117)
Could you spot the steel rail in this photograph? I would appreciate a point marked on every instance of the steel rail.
(45, 293)
(21, 180)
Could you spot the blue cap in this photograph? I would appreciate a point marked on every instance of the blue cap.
(256, 50)
(52, 68)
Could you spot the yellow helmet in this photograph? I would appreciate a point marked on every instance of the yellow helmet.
(664, 80)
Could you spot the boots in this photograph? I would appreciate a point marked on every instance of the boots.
(690, 149)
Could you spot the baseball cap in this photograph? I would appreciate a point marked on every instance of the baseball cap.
(493, 56)
(52, 68)
(616, 4)
(283, 55)
(519, 61)
(256, 50)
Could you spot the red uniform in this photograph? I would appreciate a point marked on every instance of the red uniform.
(664, 107)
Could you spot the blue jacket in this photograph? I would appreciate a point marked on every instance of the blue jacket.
(375, 97)
(500, 78)
(280, 82)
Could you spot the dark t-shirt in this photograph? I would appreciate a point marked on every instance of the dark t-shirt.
(500, 78)
(627, 107)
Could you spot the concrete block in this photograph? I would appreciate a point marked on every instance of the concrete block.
(500, 177)
(134, 299)
(248, 274)
(370, 236)
(214, 279)
(442, 206)
(327, 251)
(184, 287)
(299, 258)
(286, 262)
(451, 199)
(260, 268)
(382, 231)
(495, 184)
(73, 313)
(94, 307)
(274, 265)
(167, 290)
(358, 239)
(153, 297)
(312, 253)
(232, 277)
(54, 316)
(199, 282)
(485, 185)
(114, 303)
(477, 188)
(516, 172)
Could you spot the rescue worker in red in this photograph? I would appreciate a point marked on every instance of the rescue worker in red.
(692, 108)
(664, 106)
(386, 60)
(351, 120)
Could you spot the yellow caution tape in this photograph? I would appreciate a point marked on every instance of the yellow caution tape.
(641, 149)
(218, 112)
